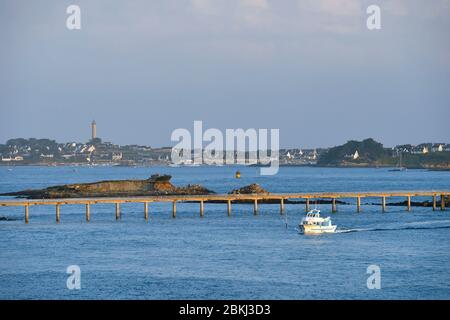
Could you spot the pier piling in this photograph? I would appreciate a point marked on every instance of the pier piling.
(202, 209)
(408, 208)
(58, 211)
(333, 205)
(174, 209)
(229, 207)
(358, 204)
(442, 202)
(255, 207)
(307, 205)
(27, 214)
(434, 202)
(88, 212)
(383, 204)
(117, 211)
(146, 211)
(282, 206)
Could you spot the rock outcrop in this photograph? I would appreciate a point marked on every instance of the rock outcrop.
(153, 186)
(250, 189)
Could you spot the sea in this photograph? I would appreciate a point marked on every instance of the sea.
(245, 256)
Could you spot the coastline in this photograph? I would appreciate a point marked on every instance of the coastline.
(40, 164)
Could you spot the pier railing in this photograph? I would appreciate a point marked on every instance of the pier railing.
(229, 199)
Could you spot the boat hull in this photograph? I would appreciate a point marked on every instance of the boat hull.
(314, 229)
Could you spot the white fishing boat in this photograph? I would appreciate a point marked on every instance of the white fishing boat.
(313, 223)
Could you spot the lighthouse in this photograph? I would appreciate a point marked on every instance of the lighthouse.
(94, 130)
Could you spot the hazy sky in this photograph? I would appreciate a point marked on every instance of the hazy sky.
(144, 68)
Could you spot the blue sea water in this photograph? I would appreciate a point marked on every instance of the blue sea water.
(221, 257)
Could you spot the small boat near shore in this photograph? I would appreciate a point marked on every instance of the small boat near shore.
(313, 223)
(399, 167)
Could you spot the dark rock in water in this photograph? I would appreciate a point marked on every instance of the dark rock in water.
(426, 203)
(250, 189)
(193, 189)
(7, 219)
(155, 185)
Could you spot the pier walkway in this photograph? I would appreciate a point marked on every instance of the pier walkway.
(228, 199)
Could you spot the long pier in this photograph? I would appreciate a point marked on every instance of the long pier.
(228, 199)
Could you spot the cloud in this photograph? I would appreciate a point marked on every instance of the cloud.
(395, 8)
(255, 4)
(254, 13)
(204, 6)
(335, 16)
(332, 7)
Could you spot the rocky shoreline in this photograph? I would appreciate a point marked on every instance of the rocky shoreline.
(156, 185)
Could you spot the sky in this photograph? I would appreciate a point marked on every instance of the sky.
(309, 68)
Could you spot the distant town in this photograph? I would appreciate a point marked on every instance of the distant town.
(48, 152)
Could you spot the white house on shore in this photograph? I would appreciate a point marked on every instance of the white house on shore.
(10, 159)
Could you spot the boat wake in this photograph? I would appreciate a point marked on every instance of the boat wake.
(426, 225)
(342, 230)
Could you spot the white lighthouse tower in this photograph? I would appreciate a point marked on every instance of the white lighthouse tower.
(94, 129)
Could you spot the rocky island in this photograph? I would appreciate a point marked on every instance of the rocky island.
(154, 186)
(250, 189)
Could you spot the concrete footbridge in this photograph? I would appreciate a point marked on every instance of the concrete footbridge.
(256, 199)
